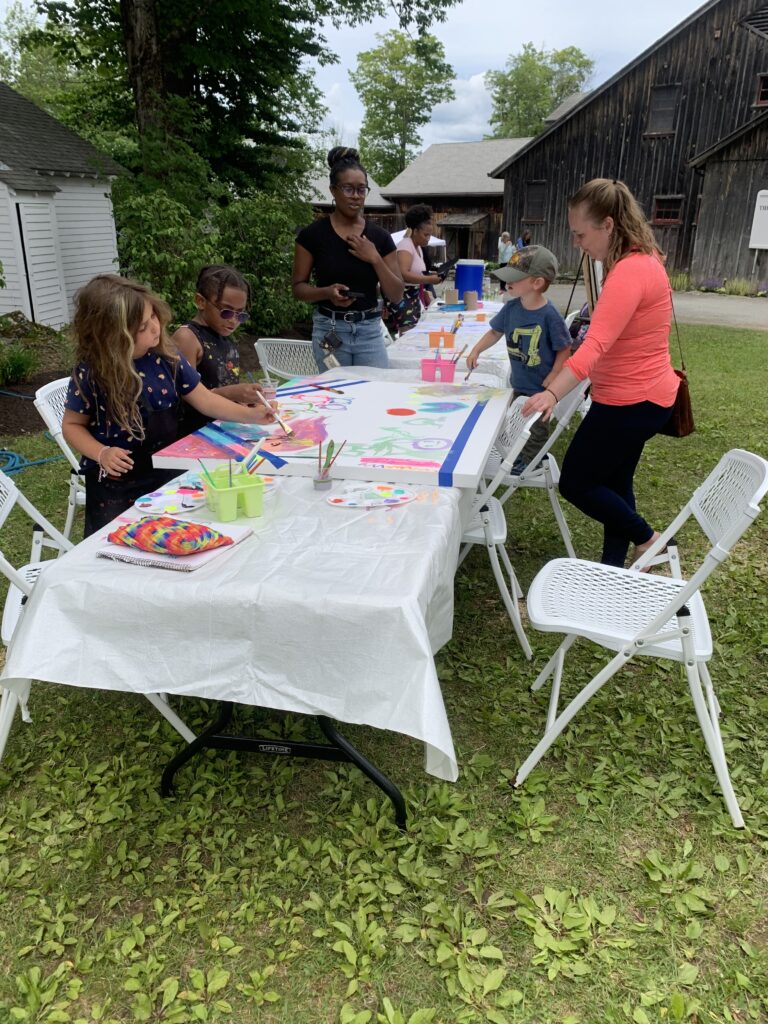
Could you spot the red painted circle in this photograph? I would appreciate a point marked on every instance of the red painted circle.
(401, 412)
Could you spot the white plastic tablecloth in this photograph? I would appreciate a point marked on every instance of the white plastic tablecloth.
(322, 611)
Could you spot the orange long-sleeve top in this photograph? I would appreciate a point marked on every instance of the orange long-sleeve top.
(626, 350)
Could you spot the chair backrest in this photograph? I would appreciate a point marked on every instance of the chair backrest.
(49, 402)
(286, 358)
(724, 505)
(562, 414)
(10, 496)
(509, 442)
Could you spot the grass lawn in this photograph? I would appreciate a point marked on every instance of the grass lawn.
(611, 888)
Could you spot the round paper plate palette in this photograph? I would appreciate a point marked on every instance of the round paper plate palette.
(179, 496)
(371, 496)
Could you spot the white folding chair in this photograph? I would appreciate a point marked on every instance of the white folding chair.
(286, 358)
(635, 613)
(542, 471)
(22, 581)
(49, 402)
(488, 524)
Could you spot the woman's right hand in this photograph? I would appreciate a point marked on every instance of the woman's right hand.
(337, 295)
(543, 402)
(115, 461)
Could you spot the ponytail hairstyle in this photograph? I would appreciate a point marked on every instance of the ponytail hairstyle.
(108, 313)
(604, 197)
(212, 280)
(344, 158)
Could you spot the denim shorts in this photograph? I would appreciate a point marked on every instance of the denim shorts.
(362, 344)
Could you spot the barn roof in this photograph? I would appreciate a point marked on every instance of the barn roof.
(32, 141)
(455, 169)
(590, 97)
(728, 140)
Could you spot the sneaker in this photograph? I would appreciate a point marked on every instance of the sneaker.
(518, 467)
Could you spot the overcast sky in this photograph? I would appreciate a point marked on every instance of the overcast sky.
(479, 35)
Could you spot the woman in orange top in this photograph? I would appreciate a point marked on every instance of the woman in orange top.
(626, 355)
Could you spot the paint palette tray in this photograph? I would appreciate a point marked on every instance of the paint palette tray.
(372, 495)
(180, 495)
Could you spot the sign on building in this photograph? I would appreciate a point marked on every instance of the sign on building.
(759, 237)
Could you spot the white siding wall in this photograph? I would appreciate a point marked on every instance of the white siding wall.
(14, 295)
(38, 224)
(86, 226)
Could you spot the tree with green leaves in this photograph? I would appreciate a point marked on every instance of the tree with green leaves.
(395, 82)
(532, 84)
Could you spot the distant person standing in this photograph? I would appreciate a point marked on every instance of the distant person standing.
(506, 248)
(524, 240)
(401, 316)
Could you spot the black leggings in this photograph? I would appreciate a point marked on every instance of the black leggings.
(599, 466)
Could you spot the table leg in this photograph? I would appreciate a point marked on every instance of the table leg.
(338, 748)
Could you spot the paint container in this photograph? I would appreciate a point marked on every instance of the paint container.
(322, 483)
(469, 276)
(244, 497)
(268, 389)
(470, 300)
(480, 318)
(443, 370)
(441, 339)
(450, 296)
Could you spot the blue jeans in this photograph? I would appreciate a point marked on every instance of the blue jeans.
(361, 344)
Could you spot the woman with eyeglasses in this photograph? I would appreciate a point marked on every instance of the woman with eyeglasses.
(349, 259)
(222, 297)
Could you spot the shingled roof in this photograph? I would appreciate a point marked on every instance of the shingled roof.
(34, 145)
(455, 169)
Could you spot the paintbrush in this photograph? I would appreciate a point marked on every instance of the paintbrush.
(320, 459)
(324, 387)
(256, 465)
(286, 429)
(328, 454)
(458, 357)
(472, 369)
(208, 476)
(338, 453)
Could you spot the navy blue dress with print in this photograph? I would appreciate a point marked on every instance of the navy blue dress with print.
(163, 386)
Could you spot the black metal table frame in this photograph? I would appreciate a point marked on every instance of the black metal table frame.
(338, 748)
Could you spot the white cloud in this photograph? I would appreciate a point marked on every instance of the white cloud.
(466, 117)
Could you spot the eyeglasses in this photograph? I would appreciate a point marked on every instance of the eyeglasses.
(354, 190)
(230, 314)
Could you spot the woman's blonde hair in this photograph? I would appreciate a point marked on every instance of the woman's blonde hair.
(603, 197)
(108, 313)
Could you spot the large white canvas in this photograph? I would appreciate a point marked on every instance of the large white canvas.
(439, 434)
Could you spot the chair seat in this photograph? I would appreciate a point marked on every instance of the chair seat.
(475, 534)
(611, 606)
(13, 605)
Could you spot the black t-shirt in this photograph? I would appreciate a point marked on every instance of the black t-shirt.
(335, 264)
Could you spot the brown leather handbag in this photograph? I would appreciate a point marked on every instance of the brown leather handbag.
(680, 423)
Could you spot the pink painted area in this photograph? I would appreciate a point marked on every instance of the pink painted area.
(308, 433)
(395, 463)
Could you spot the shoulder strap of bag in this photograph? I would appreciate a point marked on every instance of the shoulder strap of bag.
(677, 331)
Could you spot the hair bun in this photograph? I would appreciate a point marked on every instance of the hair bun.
(342, 153)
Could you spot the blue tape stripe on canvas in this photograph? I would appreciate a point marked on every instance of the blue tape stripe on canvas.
(445, 476)
(275, 460)
(211, 433)
(306, 389)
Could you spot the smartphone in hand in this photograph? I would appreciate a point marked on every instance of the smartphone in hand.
(353, 295)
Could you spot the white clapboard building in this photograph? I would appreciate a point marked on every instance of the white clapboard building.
(56, 224)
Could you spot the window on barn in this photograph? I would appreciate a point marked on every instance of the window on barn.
(757, 21)
(667, 210)
(535, 201)
(663, 112)
(762, 91)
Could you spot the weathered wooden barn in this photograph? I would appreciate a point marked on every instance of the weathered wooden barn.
(453, 178)
(646, 125)
(733, 172)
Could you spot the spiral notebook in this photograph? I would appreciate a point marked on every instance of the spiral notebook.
(176, 563)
